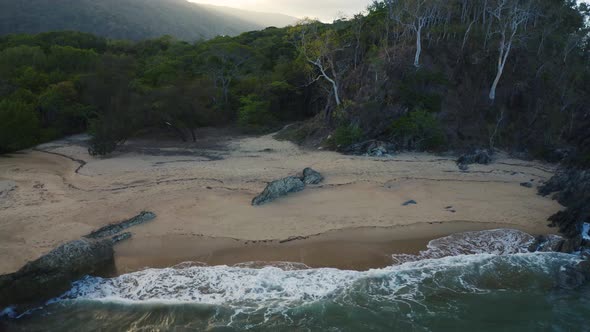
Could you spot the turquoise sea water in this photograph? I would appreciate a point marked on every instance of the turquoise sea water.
(506, 290)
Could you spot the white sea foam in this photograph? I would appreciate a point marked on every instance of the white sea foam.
(496, 242)
(276, 289)
(472, 262)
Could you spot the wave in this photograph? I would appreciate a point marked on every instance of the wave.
(273, 287)
(458, 280)
(496, 242)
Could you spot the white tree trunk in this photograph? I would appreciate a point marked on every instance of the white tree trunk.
(418, 46)
(502, 58)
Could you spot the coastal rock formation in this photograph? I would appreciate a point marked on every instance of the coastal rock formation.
(571, 188)
(285, 186)
(372, 148)
(279, 188)
(311, 176)
(117, 228)
(477, 156)
(53, 273)
(556, 243)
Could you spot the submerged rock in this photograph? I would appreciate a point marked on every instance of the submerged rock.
(311, 176)
(279, 188)
(574, 276)
(410, 202)
(526, 184)
(53, 273)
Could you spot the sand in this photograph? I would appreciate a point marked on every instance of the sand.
(201, 194)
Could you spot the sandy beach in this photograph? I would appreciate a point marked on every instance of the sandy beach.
(201, 194)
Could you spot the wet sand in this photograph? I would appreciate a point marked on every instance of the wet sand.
(201, 195)
(360, 249)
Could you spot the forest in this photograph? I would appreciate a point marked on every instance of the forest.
(424, 75)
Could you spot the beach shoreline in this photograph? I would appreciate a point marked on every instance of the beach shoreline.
(201, 193)
(359, 249)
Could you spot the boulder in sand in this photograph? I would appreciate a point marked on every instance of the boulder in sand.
(311, 176)
(477, 156)
(53, 273)
(279, 188)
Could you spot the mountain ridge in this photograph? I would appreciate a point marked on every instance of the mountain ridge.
(131, 19)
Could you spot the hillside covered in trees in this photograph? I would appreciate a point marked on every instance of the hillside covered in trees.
(132, 19)
(420, 75)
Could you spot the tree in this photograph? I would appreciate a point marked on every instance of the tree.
(416, 15)
(320, 48)
(224, 63)
(19, 125)
(510, 17)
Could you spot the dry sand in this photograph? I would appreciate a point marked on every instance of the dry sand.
(201, 194)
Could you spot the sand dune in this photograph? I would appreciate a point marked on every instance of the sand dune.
(58, 193)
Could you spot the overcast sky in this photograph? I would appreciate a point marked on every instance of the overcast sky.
(325, 10)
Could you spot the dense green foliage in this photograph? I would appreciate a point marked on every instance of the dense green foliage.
(131, 19)
(420, 74)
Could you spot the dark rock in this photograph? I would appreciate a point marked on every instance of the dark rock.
(410, 202)
(311, 176)
(372, 148)
(463, 167)
(478, 156)
(571, 188)
(526, 184)
(53, 273)
(113, 229)
(571, 245)
(573, 276)
(547, 243)
(278, 189)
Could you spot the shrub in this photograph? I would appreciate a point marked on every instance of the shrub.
(418, 130)
(346, 135)
(254, 113)
(19, 126)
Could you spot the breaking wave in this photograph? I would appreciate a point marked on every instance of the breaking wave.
(455, 281)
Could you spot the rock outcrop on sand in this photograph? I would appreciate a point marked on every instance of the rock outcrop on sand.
(371, 148)
(477, 156)
(311, 176)
(117, 228)
(571, 188)
(53, 273)
(288, 185)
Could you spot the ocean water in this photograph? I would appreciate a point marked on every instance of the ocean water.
(477, 281)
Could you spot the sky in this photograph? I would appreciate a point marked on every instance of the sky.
(325, 10)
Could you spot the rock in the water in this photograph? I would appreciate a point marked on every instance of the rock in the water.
(478, 156)
(572, 188)
(526, 184)
(311, 176)
(53, 273)
(410, 202)
(547, 243)
(572, 277)
(279, 188)
(113, 229)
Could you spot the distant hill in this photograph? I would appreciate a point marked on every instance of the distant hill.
(132, 19)
(259, 18)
